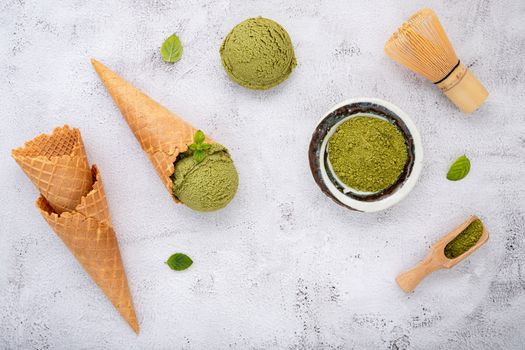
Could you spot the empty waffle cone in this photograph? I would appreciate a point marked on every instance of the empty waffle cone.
(57, 166)
(85, 228)
(162, 134)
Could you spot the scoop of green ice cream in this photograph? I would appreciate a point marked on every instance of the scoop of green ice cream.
(258, 54)
(208, 185)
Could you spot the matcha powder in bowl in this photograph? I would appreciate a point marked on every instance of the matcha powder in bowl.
(367, 154)
(258, 54)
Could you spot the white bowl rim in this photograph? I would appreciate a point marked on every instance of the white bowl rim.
(405, 187)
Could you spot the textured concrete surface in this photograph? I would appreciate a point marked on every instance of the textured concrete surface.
(282, 266)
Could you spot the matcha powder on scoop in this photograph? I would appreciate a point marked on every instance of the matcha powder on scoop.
(258, 54)
(465, 240)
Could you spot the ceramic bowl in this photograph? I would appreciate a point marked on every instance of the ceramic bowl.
(339, 192)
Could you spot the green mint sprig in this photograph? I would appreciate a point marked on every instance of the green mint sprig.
(171, 49)
(459, 169)
(179, 262)
(198, 147)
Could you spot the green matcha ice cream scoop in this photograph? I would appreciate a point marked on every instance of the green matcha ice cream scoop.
(258, 54)
(205, 183)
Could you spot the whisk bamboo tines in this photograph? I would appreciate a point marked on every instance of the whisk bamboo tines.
(422, 45)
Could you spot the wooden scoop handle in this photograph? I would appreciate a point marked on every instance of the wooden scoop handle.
(409, 279)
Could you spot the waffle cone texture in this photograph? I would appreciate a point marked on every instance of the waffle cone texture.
(73, 202)
(161, 134)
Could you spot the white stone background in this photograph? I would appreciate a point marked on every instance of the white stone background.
(282, 266)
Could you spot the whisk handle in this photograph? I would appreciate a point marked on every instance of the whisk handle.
(464, 89)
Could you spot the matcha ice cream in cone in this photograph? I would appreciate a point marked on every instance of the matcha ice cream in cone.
(194, 169)
(207, 184)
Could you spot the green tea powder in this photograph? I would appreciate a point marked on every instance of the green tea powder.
(367, 154)
(465, 240)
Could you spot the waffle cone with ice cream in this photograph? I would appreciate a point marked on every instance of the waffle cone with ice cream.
(166, 139)
(73, 202)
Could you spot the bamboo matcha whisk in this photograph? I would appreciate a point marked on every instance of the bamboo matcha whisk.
(422, 45)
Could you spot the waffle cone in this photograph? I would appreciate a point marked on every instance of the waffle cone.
(161, 133)
(86, 228)
(57, 165)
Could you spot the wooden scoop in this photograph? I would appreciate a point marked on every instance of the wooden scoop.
(436, 258)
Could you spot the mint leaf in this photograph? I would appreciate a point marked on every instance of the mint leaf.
(179, 262)
(459, 169)
(171, 49)
(199, 137)
(198, 147)
(199, 156)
